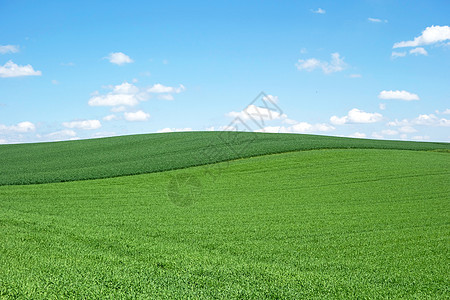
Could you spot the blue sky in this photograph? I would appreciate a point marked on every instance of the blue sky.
(84, 69)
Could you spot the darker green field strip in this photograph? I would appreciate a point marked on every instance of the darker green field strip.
(344, 223)
(139, 154)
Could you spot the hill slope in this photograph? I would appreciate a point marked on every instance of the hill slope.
(323, 224)
(138, 154)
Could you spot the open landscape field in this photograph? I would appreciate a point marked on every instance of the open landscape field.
(228, 216)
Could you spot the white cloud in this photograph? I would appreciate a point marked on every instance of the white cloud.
(431, 120)
(177, 129)
(418, 51)
(20, 127)
(407, 129)
(136, 116)
(113, 100)
(270, 99)
(8, 49)
(446, 112)
(336, 64)
(308, 64)
(159, 89)
(304, 127)
(420, 137)
(65, 133)
(377, 135)
(110, 117)
(257, 113)
(358, 135)
(389, 132)
(423, 120)
(123, 94)
(125, 88)
(300, 127)
(398, 95)
(119, 58)
(430, 35)
(86, 124)
(319, 11)
(3, 141)
(382, 106)
(10, 69)
(102, 134)
(398, 54)
(375, 20)
(127, 94)
(356, 116)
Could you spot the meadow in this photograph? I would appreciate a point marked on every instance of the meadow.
(347, 219)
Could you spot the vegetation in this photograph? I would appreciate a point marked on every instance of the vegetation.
(337, 223)
(139, 154)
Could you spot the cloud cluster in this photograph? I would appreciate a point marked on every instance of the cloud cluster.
(336, 64)
(127, 94)
(356, 116)
(431, 35)
(10, 69)
(423, 120)
(260, 115)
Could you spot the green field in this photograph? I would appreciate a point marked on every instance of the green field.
(349, 219)
(140, 154)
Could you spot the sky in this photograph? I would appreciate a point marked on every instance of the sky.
(86, 69)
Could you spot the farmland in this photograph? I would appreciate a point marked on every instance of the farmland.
(348, 219)
(140, 154)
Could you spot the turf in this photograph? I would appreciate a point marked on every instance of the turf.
(313, 224)
(139, 154)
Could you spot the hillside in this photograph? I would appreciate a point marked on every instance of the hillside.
(139, 154)
(337, 223)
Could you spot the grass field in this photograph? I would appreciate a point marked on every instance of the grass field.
(332, 223)
(139, 154)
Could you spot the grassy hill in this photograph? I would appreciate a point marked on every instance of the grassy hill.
(351, 219)
(139, 154)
